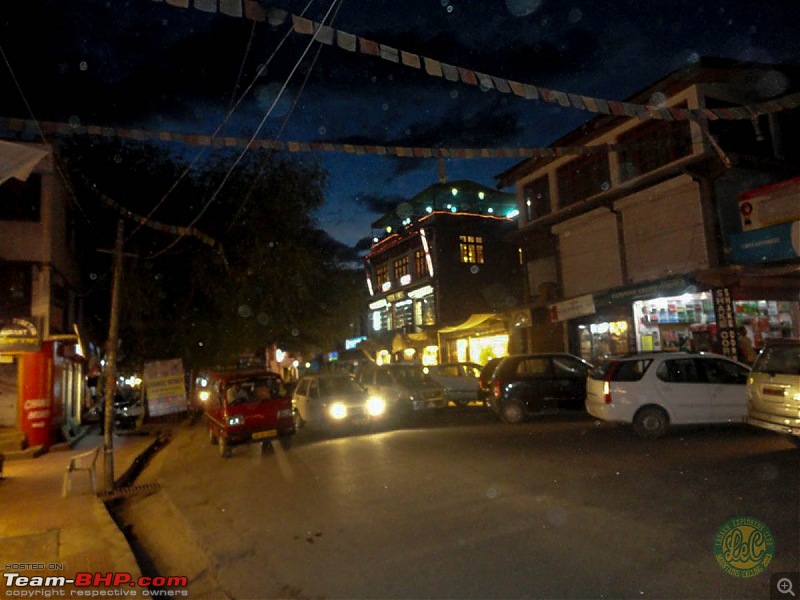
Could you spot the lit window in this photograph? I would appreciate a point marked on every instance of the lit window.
(400, 267)
(471, 249)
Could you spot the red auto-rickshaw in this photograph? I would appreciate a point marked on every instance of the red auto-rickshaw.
(244, 407)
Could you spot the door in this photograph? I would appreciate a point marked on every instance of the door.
(569, 377)
(533, 382)
(728, 383)
(684, 391)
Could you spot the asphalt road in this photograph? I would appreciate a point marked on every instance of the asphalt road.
(462, 506)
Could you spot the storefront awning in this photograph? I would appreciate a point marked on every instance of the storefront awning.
(418, 341)
(18, 160)
(473, 322)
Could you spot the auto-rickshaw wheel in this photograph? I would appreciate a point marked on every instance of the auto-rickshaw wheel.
(266, 447)
(286, 442)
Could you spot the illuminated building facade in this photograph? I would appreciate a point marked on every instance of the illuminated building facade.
(443, 257)
(673, 232)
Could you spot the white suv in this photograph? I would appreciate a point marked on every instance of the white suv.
(657, 389)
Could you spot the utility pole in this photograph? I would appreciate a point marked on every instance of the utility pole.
(111, 363)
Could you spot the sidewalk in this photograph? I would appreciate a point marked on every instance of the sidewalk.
(43, 533)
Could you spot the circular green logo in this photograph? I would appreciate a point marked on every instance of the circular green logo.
(744, 547)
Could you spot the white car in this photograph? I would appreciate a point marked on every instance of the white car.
(653, 391)
(459, 380)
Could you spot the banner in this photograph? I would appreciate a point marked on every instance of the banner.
(165, 387)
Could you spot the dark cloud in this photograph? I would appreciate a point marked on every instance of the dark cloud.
(379, 204)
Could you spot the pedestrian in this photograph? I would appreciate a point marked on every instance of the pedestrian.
(744, 347)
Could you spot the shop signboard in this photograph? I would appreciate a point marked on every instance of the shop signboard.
(770, 205)
(675, 286)
(726, 321)
(580, 306)
(20, 335)
(776, 243)
(165, 387)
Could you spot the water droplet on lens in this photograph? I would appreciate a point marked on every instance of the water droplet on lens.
(491, 493)
(322, 130)
(385, 106)
(454, 94)
(245, 311)
(74, 121)
(474, 269)
(575, 15)
(295, 332)
(83, 66)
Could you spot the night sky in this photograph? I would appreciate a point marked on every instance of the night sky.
(146, 64)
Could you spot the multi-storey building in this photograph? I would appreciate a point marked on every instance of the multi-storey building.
(443, 278)
(640, 243)
(41, 371)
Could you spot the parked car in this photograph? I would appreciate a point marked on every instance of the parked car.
(653, 391)
(250, 406)
(459, 380)
(405, 387)
(774, 388)
(335, 399)
(485, 379)
(526, 384)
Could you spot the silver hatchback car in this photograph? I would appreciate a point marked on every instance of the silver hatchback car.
(774, 388)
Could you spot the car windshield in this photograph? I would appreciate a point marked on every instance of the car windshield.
(339, 385)
(779, 358)
(407, 374)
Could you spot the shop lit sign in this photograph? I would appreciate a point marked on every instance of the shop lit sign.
(386, 286)
(378, 304)
(425, 290)
(351, 343)
(405, 280)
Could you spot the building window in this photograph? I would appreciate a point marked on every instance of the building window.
(382, 274)
(536, 195)
(653, 145)
(15, 290)
(21, 200)
(582, 178)
(400, 266)
(471, 249)
(420, 270)
(404, 315)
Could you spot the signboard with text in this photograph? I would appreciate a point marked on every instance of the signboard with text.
(20, 335)
(165, 387)
(726, 321)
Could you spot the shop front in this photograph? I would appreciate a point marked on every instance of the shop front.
(655, 318)
(50, 386)
(478, 339)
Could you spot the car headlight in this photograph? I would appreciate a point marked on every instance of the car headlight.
(203, 395)
(285, 413)
(235, 420)
(337, 410)
(376, 406)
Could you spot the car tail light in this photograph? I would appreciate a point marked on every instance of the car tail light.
(497, 389)
(607, 391)
(607, 382)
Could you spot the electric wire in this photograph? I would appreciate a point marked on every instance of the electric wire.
(219, 128)
(283, 126)
(241, 155)
(56, 159)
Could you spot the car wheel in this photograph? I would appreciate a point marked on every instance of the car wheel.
(299, 423)
(511, 412)
(651, 422)
(224, 448)
(286, 442)
(212, 439)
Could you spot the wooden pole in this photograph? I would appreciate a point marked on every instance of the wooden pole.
(111, 363)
